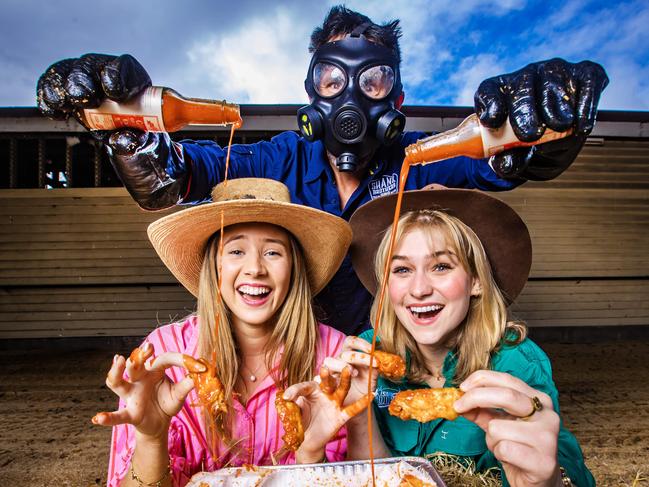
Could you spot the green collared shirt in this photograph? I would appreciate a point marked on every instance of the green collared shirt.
(462, 437)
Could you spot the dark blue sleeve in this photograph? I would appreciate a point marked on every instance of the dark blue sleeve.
(267, 159)
(458, 172)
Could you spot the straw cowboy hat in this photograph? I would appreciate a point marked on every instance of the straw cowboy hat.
(180, 239)
(502, 232)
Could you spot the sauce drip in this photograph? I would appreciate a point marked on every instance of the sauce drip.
(403, 176)
(227, 156)
(210, 386)
(233, 127)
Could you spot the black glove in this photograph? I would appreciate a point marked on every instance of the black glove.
(144, 162)
(553, 93)
(73, 84)
(139, 158)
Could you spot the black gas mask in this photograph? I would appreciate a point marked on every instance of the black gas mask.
(353, 85)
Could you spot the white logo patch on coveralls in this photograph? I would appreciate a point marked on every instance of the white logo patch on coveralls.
(383, 397)
(387, 184)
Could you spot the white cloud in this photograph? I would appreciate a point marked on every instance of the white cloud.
(471, 72)
(629, 88)
(263, 61)
(566, 13)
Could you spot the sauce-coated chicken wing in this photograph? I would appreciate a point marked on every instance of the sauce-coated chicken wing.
(425, 405)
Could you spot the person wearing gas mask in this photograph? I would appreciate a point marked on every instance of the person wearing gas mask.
(352, 140)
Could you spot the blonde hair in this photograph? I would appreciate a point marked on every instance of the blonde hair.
(485, 326)
(293, 340)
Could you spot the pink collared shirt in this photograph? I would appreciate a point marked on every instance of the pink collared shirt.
(257, 428)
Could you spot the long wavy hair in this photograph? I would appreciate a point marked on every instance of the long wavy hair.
(292, 343)
(485, 327)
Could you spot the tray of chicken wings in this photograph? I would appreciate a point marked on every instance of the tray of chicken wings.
(388, 472)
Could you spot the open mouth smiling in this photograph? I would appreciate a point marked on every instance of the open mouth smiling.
(253, 293)
(425, 312)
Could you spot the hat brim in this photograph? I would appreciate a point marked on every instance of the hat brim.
(503, 233)
(180, 239)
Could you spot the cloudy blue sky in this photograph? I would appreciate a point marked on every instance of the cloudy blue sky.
(255, 51)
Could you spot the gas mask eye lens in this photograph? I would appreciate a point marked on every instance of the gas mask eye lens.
(377, 82)
(328, 80)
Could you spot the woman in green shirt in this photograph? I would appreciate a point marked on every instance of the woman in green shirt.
(460, 258)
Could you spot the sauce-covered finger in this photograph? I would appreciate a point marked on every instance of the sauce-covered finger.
(140, 354)
(336, 365)
(343, 386)
(176, 359)
(193, 365)
(358, 406)
(135, 363)
(115, 378)
(297, 390)
(327, 381)
(123, 416)
(356, 358)
(355, 343)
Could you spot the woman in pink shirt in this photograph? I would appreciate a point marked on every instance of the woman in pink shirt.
(254, 324)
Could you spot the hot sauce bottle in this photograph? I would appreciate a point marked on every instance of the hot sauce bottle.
(160, 109)
(471, 139)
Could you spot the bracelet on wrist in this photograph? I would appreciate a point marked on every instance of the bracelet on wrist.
(157, 483)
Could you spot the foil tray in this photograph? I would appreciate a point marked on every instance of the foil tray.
(338, 474)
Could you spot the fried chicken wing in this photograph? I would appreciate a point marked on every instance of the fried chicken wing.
(390, 366)
(425, 405)
(291, 417)
(208, 387)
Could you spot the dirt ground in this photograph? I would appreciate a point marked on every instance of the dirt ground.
(47, 400)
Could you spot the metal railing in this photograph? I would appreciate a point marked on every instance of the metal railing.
(60, 160)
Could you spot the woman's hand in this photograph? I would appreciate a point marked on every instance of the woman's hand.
(151, 398)
(355, 353)
(322, 409)
(520, 423)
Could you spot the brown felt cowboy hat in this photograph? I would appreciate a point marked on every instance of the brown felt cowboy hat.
(502, 232)
(180, 239)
